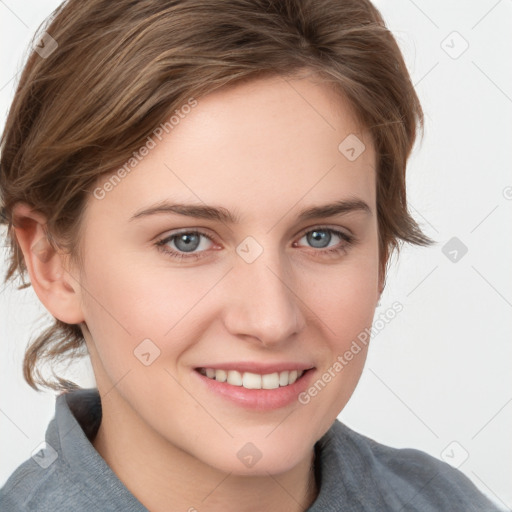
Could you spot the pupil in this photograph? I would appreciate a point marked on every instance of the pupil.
(189, 240)
(319, 238)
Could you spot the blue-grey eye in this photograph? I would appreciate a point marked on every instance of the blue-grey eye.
(319, 238)
(187, 242)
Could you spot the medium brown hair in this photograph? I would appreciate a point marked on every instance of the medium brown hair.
(121, 68)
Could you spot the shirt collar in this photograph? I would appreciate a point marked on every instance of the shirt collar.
(77, 418)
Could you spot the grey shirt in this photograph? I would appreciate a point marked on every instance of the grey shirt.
(353, 472)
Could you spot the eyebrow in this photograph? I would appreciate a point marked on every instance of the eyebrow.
(221, 214)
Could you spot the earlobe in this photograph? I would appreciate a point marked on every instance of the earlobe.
(58, 291)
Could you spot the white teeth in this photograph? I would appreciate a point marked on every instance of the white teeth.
(220, 375)
(270, 381)
(234, 378)
(250, 380)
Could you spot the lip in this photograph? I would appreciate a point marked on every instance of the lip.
(258, 399)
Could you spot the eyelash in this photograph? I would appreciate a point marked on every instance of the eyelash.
(162, 244)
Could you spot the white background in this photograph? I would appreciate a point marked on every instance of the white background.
(440, 371)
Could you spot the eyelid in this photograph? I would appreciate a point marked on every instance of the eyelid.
(170, 235)
(318, 227)
(212, 238)
(348, 239)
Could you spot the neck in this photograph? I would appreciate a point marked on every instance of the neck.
(157, 472)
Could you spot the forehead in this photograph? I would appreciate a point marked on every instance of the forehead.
(284, 141)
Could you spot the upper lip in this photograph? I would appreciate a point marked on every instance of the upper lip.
(260, 368)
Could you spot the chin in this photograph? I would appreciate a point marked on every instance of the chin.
(261, 456)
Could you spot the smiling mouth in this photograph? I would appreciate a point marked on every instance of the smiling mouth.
(250, 380)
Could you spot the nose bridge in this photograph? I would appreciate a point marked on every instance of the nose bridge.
(263, 304)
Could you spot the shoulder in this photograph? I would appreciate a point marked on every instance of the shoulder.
(34, 487)
(68, 473)
(406, 479)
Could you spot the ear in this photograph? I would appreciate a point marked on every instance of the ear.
(57, 289)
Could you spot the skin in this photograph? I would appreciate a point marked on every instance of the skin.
(263, 150)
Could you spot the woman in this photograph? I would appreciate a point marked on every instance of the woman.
(205, 196)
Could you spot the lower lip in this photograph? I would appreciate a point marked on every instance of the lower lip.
(259, 399)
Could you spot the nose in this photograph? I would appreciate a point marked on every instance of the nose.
(261, 302)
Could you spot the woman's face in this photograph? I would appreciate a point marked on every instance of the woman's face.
(250, 275)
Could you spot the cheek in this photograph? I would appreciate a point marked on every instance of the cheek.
(141, 299)
(343, 297)
(343, 301)
(126, 302)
